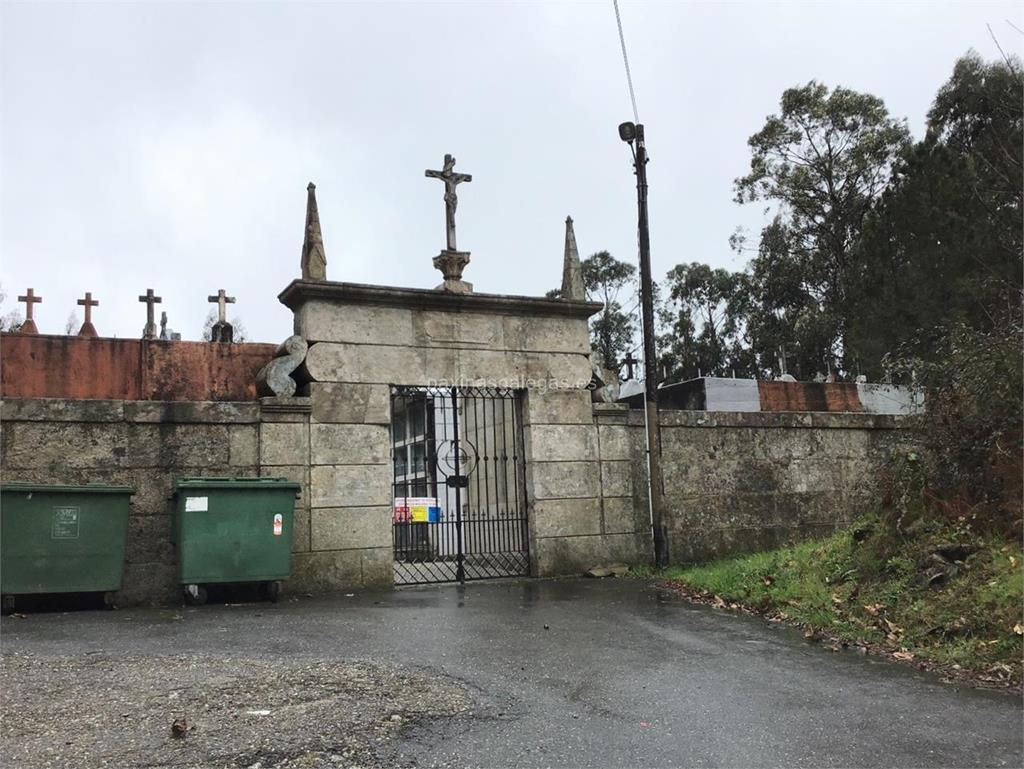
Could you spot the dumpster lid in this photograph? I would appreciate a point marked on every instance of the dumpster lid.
(89, 488)
(234, 483)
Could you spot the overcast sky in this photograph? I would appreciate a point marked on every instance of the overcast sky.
(168, 145)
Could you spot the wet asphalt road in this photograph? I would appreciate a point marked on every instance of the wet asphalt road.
(590, 673)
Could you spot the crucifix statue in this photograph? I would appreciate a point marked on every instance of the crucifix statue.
(29, 326)
(451, 261)
(87, 329)
(451, 200)
(222, 331)
(149, 332)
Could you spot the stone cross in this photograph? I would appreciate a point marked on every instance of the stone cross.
(88, 303)
(87, 329)
(222, 331)
(222, 300)
(451, 200)
(149, 332)
(629, 362)
(30, 298)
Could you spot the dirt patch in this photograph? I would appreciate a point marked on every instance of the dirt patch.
(100, 710)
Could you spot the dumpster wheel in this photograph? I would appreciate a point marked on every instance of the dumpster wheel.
(272, 590)
(8, 605)
(195, 595)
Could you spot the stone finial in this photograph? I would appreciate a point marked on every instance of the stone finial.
(572, 271)
(88, 330)
(29, 326)
(604, 382)
(314, 259)
(150, 332)
(275, 379)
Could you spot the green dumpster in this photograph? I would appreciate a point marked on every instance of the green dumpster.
(233, 530)
(62, 539)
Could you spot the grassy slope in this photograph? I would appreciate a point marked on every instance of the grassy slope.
(871, 593)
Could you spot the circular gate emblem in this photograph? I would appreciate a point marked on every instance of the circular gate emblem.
(448, 458)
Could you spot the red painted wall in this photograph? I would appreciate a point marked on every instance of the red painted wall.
(809, 396)
(43, 366)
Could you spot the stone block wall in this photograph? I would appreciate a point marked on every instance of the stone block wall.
(350, 487)
(579, 479)
(146, 445)
(742, 482)
(283, 452)
(735, 482)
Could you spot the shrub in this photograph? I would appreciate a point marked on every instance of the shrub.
(971, 464)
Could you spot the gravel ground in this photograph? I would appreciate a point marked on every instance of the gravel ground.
(100, 710)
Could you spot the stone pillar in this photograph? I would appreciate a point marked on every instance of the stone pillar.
(350, 487)
(284, 453)
(580, 464)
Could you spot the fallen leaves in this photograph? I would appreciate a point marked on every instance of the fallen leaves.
(870, 631)
(1000, 673)
(893, 632)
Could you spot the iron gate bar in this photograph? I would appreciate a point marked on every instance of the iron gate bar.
(460, 558)
(488, 534)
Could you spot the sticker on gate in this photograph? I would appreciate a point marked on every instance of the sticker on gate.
(278, 524)
(416, 510)
(401, 511)
(65, 523)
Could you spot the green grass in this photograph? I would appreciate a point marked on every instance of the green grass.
(874, 592)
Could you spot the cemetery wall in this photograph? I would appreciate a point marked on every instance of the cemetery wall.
(145, 445)
(145, 414)
(735, 482)
(741, 482)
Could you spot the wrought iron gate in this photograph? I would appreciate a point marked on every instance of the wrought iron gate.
(459, 508)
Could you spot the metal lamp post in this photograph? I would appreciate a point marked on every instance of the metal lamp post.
(633, 134)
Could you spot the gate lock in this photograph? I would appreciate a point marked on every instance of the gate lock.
(458, 481)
